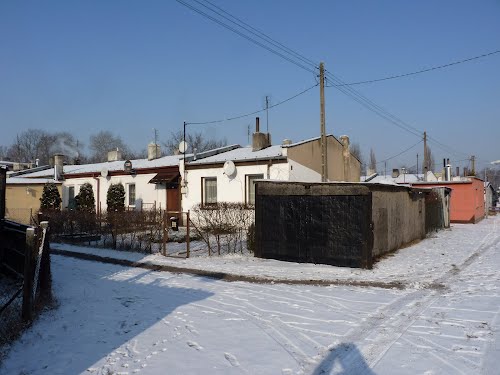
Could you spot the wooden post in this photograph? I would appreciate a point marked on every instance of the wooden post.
(27, 308)
(187, 235)
(324, 147)
(165, 234)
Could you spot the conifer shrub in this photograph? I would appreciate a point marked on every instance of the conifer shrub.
(51, 199)
(115, 198)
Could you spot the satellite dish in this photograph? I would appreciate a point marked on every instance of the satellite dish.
(229, 168)
(183, 147)
(104, 172)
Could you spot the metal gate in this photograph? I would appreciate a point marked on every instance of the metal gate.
(329, 229)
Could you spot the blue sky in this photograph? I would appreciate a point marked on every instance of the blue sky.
(130, 66)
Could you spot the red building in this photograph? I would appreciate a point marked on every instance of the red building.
(467, 198)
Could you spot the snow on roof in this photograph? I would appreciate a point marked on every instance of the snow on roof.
(388, 179)
(111, 166)
(308, 140)
(242, 154)
(24, 180)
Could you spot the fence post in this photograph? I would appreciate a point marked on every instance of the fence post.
(27, 308)
(188, 238)
(165, 234)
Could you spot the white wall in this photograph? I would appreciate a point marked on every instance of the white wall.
(298, 172)
(149, 193)
(228, 189)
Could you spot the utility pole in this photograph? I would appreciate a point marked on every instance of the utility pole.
(426, 162)
(324, 159)
(267, 114)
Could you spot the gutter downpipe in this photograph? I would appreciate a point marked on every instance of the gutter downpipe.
(98, 200)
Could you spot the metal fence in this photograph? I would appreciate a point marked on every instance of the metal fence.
(25, 271)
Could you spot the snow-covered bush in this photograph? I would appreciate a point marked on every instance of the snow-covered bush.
(226, 222)
(51, 199)
(115, 198)
(85, 201)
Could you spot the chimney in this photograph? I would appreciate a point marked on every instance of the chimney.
(458, 172)
(346, 156)
(260, 140)
(395, 173)
(58, 166)
(115, 155)
(447, 171)
(154, 151)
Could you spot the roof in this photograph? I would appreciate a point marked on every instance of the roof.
(242, 154)
(31, 181)
(165, 177)
(388, 179)
(110, 166)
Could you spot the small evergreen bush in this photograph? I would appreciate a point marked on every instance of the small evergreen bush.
(85, 201)
(51, 199)
(115, 198)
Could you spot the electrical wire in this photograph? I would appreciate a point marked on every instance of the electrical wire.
(244, 36)
(254, 112)
(400, 153)
(310, 66)
(423, 70)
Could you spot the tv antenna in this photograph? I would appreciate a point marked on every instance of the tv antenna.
(267, 113)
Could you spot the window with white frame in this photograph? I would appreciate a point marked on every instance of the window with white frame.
(251, 187)
(131, 194)
(209, 185)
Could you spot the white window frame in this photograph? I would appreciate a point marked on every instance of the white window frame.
(204, 181)
(250, 184)
(128, 194)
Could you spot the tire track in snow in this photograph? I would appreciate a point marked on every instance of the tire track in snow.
(397, 317)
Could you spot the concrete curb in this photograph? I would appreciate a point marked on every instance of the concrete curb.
(227, 276)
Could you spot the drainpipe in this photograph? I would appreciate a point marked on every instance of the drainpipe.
(98, 201)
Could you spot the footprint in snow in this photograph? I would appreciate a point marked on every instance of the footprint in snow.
(191, 329)
(231, 359)
(194, 345)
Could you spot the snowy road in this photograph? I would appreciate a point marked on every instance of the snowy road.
(119, 320)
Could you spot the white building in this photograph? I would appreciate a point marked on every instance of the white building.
(148, 182)
(229, 175)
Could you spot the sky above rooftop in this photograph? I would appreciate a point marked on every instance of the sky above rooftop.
(130, 66)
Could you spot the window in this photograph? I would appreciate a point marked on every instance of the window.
(251, 187)
(209, 185)
(131, 194)
(71, 197)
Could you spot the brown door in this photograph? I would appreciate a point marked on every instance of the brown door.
(173, 201)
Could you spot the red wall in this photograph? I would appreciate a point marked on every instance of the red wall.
(467, 200)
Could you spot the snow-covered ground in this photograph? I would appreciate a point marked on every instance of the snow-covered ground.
(126, 320)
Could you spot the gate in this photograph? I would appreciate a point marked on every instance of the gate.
(314, 225)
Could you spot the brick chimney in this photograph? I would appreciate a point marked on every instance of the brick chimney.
(260, 140)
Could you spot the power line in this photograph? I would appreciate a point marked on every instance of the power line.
(244, 36)
(400, 153)
(423, 70)
(254, 112)
(304, 63)
(258, 33)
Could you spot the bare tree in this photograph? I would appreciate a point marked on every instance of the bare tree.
(3, 152)
(27, 146)
(428, 160)
(373, 161)
(355, 150)
(194, 140)
(103, 142)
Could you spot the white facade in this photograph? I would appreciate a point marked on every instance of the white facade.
(146, 194)
(229, 189)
